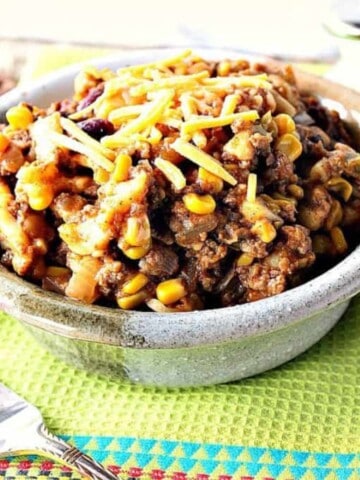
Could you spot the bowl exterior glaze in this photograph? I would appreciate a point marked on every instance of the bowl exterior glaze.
(182, 349)
(192, 366)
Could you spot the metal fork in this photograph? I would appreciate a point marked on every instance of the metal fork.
(22, 430)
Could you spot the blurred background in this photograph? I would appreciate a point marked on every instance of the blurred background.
(291, 30)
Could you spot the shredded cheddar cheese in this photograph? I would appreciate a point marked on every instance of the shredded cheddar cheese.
(200, 123)
(158, 64)
(71, 128)
(202, 159)
(149, 116)
(171, 172)
(96, 159)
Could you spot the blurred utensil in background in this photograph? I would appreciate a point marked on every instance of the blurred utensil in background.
(342, 21)
(22, 431)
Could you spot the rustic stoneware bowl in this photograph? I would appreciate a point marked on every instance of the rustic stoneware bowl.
(182, 349)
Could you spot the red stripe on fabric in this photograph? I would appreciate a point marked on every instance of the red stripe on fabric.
(135, 472)
(157, 474)
(179, 476)
(4, 464)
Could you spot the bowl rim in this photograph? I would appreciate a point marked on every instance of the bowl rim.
(183, 329)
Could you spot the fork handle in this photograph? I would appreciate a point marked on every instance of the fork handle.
(51, 445)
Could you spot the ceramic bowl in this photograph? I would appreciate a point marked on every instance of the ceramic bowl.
(182, 349)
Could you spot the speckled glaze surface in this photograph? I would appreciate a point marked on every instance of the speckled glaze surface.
(182, 349)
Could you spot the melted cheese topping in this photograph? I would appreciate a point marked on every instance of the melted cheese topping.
(138, 98)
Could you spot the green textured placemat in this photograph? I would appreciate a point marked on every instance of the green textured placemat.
(311, 403)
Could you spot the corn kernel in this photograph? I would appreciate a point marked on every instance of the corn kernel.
(335, 215)
(264, 230)
(128, 303)
(137, 231)
(135, 253)
(213, 181)
(200, 204)
(170, 291)
(136, 283)
(280, 199)
(244, 260)
(19, 117)
(54, 271)
(40, 196)
(4, 142)
(296, 191)
(290, 146)
(223, 68)
(285, 124)
(101, 176)
(339, 240)
(123, 164)
(340, 186)
(321, 244)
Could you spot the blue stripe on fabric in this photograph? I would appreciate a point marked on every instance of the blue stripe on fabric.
(277, 459)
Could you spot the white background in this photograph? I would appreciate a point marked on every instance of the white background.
(279, 27)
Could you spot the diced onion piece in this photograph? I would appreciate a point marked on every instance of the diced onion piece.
(211, 122)
(171, 172)
(202, 159)
(82, 284)
(240, 146)
(155, 305)
(12, 236)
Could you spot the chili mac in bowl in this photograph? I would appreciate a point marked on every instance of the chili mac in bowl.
(178, 220)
